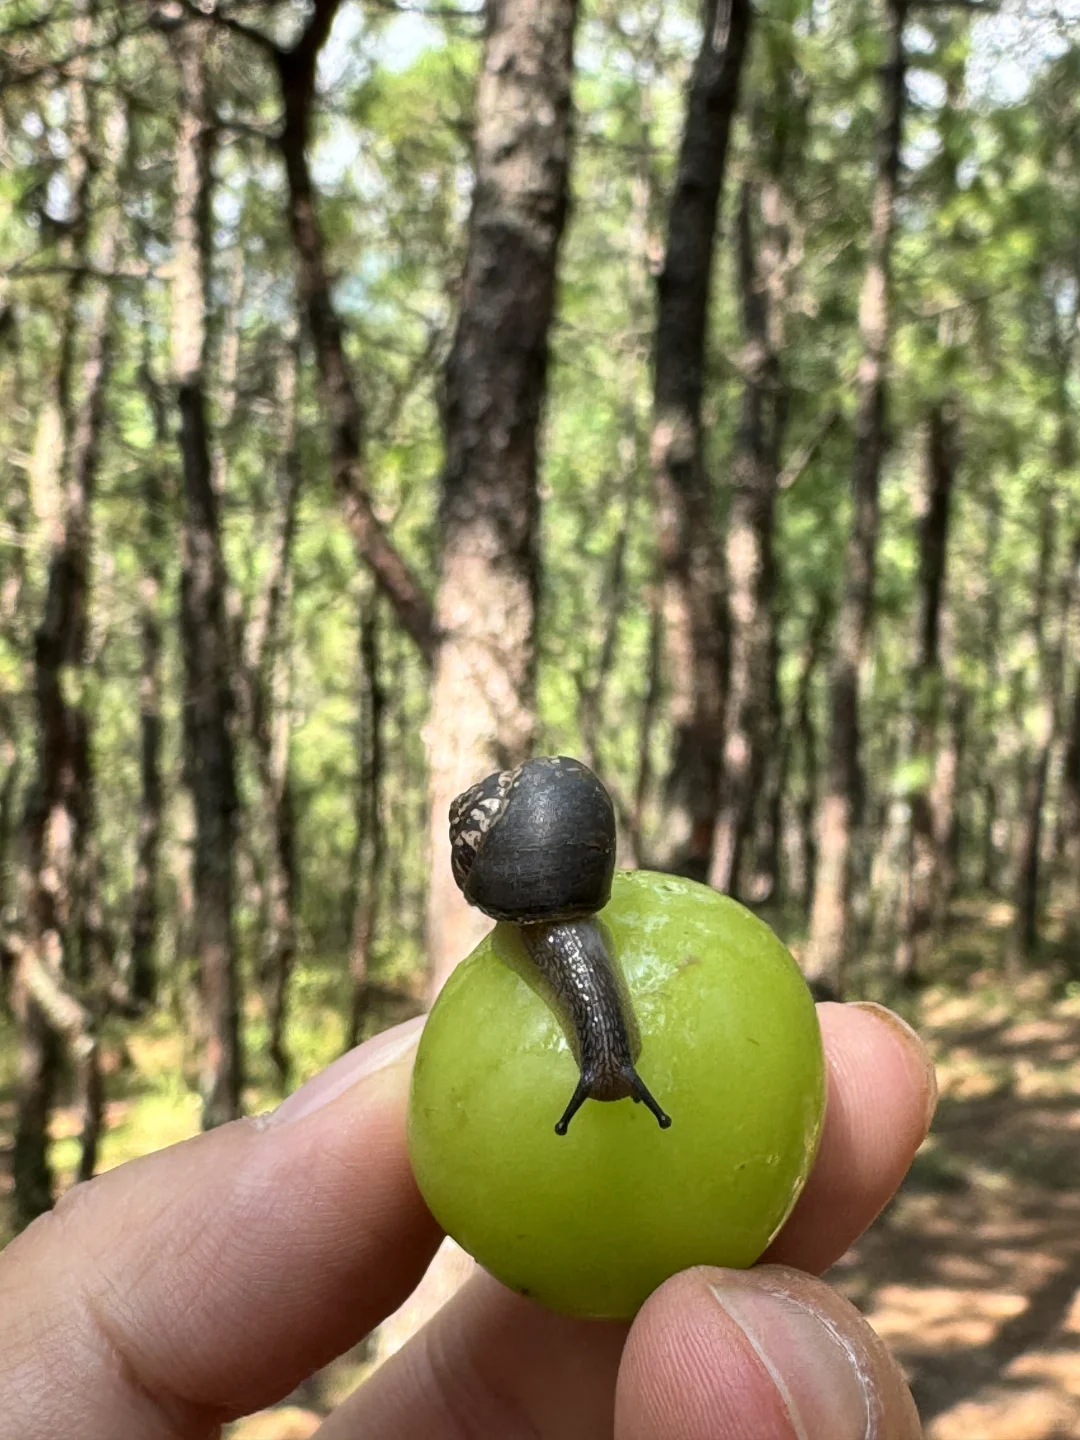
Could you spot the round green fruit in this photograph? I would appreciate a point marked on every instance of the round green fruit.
(591, 1222)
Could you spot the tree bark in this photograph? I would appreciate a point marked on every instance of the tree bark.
(1071, 831)
(53, 958)
(142, 973)
(923, 854)
(15, 513)
(338, 393)
(689, 543)
(805, 865)
(1028, 839)
(750, 564)
(269, 681)
(369, 852)
(210, 771)
(482, 699)
(945, 790)
(830, 918)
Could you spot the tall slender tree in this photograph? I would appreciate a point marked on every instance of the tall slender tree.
(830, 917)
(54, 962)
(267, 670)
(764, 270)
(143, 976)
(927, 684)
(690, 546)
(209, 761)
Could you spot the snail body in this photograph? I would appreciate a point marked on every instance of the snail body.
(536, 846)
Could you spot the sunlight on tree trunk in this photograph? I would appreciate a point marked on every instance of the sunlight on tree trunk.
(482, 696)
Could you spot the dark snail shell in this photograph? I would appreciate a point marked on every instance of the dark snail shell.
(536, 846)
(536, 843)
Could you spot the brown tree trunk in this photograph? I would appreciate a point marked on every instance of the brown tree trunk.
(52, 958)
(1070, 856)
(830, 917)
(208, 701)
(945, 792)
(142, 976)
(750, 565)
(650, 706)
(482, 699)
(927, 684)
(15, 515)
(804, 867)
(338, 394)
(269, 682)
(690, 547)
(10, 776)
(1028, 840)
(369, 852)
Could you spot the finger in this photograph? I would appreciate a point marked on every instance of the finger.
(490, 1363)
(881, 1098)
(768, 1353)
(206, 1280)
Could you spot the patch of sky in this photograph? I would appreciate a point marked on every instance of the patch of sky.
(352, 52)
(1012, 45)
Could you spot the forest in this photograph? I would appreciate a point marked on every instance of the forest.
(390, 391)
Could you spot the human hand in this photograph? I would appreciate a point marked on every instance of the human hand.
(206, 1280)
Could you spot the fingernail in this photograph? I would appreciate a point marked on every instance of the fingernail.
(817, 1374)
(913, 1044)
(375, 1054)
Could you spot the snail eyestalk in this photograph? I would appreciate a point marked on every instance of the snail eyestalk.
(536, 846)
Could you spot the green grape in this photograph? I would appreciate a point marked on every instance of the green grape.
(590, 1223)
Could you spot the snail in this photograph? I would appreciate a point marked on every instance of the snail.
(536, 846)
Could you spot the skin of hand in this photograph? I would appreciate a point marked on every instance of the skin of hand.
(205, 1281)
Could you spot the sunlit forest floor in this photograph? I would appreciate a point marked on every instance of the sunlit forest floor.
(973, 1273)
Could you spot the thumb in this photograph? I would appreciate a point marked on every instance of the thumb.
(770, 1353)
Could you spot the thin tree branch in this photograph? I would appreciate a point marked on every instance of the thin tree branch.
(799, 463)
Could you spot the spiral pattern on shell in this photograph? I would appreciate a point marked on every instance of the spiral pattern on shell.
(536, 843)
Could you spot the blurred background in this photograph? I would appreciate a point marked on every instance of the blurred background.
(389, 391)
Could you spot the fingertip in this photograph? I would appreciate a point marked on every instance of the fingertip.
(687, 1370)
(881, 1095)
(769, 1352)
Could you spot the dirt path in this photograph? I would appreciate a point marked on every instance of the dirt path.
(973, 1274)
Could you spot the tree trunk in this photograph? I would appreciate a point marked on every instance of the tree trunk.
(208, 701)
(370, 848)
(1028, 841)
(927, 682)
(52, 956)
(338, 394)
(482, 698)
(14, 526)
(269, 683)
(1071, 832)
(142, 976)
(689, 543)
(750, 565)
(945, 823)
(830, 917)
(805, 867)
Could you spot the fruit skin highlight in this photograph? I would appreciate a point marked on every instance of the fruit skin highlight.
(590, 1223)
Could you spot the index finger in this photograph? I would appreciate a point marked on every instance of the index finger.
(204, 1281)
